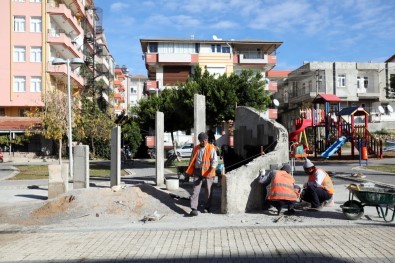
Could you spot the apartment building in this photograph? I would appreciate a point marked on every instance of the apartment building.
(136, 88)
(169, 61)
(355, 83)
(35, 34)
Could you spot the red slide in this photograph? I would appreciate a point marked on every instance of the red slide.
(300, 124)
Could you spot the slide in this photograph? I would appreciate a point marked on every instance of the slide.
(301, 124)
(334, 147)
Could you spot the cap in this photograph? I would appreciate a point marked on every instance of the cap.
(202, 136)
(307, 164)
(286, 167)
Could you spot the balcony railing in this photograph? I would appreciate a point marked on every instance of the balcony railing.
(62, 70)
(64, 14)
(57, 37)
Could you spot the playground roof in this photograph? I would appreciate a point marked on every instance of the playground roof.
(353, 111)
(322, 98)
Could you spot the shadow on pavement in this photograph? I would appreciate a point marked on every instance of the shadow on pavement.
(40, 197)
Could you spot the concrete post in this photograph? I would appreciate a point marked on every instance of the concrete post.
(199, 115)
(159, 144)
(58, 181)
(115, 174)
(81, 167)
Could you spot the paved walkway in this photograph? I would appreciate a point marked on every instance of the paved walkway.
(321, 244)
(365, 241)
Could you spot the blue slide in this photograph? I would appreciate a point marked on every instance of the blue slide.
(334, 147)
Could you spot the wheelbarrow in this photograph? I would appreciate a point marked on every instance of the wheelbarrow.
(381, 198)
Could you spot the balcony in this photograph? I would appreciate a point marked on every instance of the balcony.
(272, 114)
(272, 86)
(102, 63)
(119, 97)
(61, 71)
(119, 85)
(60, 40)
(105, 79)
(76, 5)
(173, 58)
(61, 14)
(151, 86)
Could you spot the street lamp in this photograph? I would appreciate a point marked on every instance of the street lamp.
(73, 61)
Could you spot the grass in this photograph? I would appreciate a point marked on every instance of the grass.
(35, 172)
(389, 168)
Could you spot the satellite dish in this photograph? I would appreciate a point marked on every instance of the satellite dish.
(381, 109)
(276, 102)
(390, 109)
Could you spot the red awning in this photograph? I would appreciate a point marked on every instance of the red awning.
(17, 123)
(322, 98)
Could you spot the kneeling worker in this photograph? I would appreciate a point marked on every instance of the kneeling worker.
(282, 191)
(319, 186)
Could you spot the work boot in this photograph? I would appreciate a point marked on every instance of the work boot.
(194, 212)
(290, 212)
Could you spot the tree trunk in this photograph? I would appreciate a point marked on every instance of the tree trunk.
(93, 148)
(60, 151)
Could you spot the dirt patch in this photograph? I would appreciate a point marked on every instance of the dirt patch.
(130, 202)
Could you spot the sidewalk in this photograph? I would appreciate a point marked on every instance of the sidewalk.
(324, 236)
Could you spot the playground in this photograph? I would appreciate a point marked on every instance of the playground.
(325, 130)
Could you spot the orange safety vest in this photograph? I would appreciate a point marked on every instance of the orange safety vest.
(206, 161)
(326, 183)
(282, 187)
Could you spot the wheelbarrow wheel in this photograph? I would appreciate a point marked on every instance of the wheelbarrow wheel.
(352, 210)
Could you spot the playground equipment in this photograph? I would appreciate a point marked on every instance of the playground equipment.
(332, 128)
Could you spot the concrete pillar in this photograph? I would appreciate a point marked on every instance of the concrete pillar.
(58, 181)
(115, 174)
(81, 167)
(159, 143)
(199, 115)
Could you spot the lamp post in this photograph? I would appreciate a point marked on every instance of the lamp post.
(73, 61)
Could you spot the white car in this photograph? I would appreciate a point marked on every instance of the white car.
(184, 151)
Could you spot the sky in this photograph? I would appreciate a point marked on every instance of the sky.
(311, 30)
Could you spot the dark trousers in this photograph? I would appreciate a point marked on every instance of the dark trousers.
(315, 195)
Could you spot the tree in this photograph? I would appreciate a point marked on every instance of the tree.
(223, 94)
(93, 125)
(53, 117)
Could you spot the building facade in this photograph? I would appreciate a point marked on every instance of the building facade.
(35, 33)
(355, 83)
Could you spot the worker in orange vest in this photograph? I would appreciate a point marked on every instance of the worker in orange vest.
(202, 167)
(319, 186)
(282, 191)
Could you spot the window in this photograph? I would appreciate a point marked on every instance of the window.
(219, 49)
(19, 23)
(35, 1)
(153, 47)
(341, 80)
(19, 54)
(35, 24)
(35, 84)
(365, 82)
(2, 112)
(197, 47)
(358, 83)
(133, 90)
(225, 49)
(19, 84)
(19, 1)
(35, 54)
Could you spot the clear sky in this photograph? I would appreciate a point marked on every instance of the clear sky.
(311, 30)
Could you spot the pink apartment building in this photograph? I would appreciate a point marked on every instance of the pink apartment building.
(34, 33)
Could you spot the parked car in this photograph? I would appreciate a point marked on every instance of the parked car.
(184, 151)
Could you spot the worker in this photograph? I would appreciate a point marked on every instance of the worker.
(319, 187)
(282, 191)
(202, 167)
